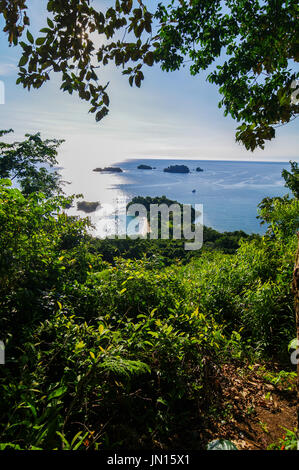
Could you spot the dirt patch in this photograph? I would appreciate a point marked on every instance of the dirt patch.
(254, 411)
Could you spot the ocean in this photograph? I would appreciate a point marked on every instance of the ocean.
(229, 190)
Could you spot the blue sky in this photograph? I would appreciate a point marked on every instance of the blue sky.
(173, 115)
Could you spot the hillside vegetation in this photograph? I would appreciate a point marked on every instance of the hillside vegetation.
(105, 351)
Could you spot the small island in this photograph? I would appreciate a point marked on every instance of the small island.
(177, 169)
(199, 169)
(87, 206)
(144, 167)
(110, 169)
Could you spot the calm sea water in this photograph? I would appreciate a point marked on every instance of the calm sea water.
(229, 191)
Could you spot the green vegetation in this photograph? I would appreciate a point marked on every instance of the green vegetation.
(167, 251)
(121, 344)
(288, 441)
(28, 163)
(124, 349)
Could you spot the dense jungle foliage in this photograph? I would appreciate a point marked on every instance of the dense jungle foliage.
(119, 344)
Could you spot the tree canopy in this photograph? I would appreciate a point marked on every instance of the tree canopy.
(31, 163)
(250, 49)
(281, 214)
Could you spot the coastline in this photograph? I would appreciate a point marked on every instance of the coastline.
(229, 191)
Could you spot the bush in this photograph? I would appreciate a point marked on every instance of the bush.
(125, 355)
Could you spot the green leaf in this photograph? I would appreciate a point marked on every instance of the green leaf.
(101, 329)
(30, 37)
(40, 41)
(23, 60)
(50, 23)
(63, 439)
(58, 392)
(79, 443)
(101, 114)
(221, 444)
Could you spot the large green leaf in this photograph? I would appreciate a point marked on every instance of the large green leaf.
(221, 444)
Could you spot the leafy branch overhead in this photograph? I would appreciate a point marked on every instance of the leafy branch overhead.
(250, 49)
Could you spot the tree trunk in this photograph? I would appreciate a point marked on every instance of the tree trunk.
(296, 294)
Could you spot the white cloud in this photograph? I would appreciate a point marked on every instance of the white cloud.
(7, 69)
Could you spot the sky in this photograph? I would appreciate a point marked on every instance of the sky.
(173, 115)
